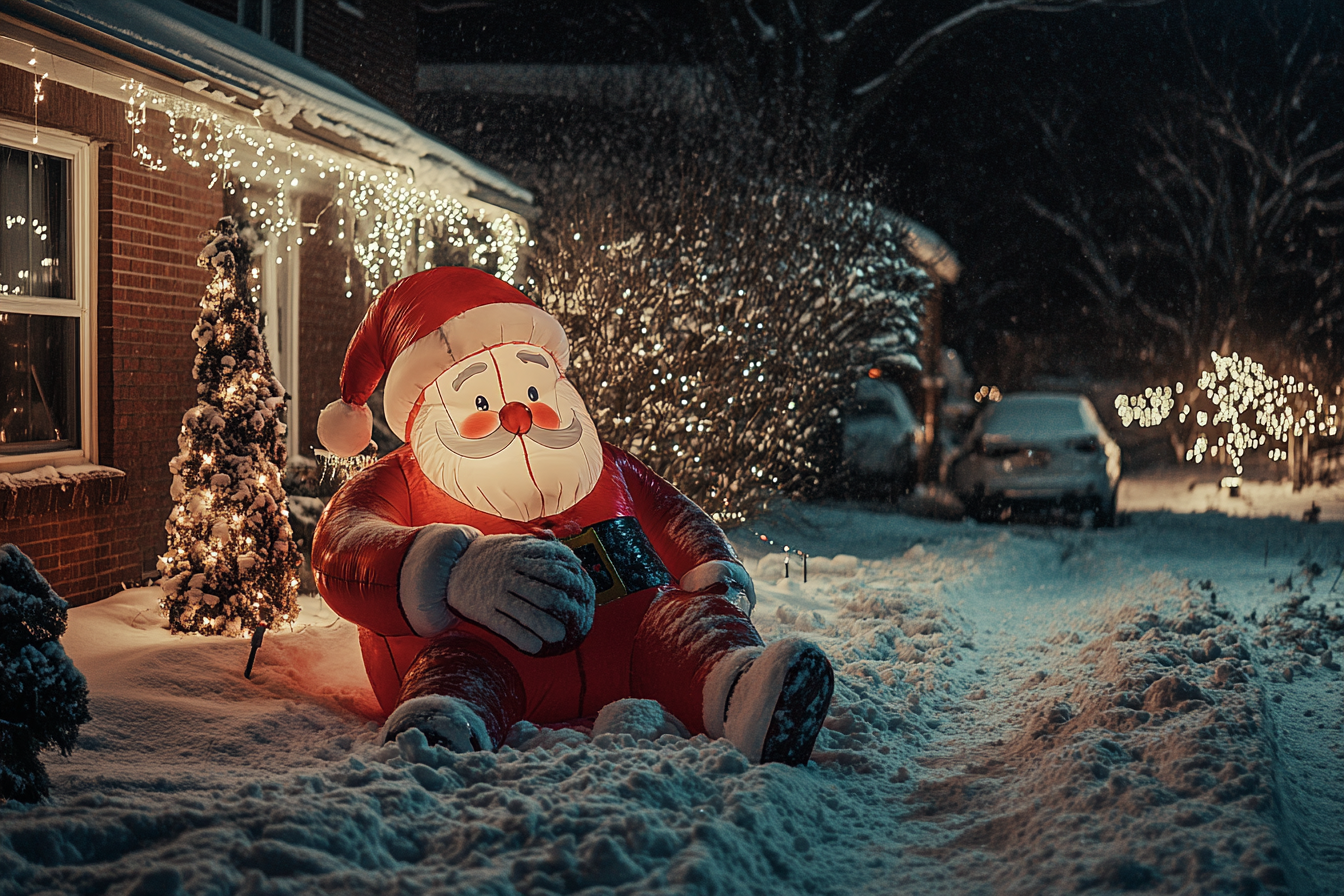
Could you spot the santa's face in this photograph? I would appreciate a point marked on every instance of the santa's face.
(503, 431)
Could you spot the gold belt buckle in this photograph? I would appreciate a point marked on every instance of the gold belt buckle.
(593, 556)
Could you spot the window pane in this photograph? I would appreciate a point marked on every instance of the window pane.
(35, 213)
(283, 21)
(250, 15)
(39, 383)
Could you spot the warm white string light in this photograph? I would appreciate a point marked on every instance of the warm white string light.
(1256, 407)
(340, 468)
(230, 544)
(1148, 409)
(388, 220)
(39, 94)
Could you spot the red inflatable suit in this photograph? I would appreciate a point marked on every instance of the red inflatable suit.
(505, 564)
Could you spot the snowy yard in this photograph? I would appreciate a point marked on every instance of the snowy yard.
(1018, 710)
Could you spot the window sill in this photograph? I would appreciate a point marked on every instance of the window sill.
(53, 489)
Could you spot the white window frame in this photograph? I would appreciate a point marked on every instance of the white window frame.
(267, 16)
(280, 294)
(80, 152)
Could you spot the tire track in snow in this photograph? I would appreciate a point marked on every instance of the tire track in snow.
(1305, 716)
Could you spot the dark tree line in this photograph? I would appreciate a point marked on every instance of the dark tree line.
(811, 76)
(1128, 189)
(1224, 232)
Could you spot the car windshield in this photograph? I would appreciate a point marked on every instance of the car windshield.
(870, 407)
(881, 398)
(1036, 417)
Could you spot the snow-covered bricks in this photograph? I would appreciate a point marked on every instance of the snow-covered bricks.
(49, 489)
(59, 510)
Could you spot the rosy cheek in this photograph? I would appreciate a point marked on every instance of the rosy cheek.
(479, 424)
(543, 415)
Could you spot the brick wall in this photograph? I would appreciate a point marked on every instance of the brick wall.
(327, 320)
(150, 225)
(83, 552)
(375, 53)
(148, 289)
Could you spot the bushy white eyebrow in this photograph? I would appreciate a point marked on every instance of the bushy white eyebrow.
(535, 358)
(469, 372)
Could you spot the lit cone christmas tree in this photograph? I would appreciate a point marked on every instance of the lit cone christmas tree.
(231, 564)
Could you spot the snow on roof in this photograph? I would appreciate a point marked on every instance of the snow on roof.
(681, 86)
(168, 36)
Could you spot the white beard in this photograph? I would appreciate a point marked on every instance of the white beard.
(522, 482)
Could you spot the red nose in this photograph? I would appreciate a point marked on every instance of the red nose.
(515, 417)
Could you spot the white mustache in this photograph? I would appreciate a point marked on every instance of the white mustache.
(500, 438)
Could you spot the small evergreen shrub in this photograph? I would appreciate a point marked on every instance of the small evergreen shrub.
(43, 697)
(231, 564)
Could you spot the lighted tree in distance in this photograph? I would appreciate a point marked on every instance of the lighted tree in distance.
(231, 563)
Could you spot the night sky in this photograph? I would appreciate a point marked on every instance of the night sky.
(957, 147)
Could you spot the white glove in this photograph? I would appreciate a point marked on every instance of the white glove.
(740, 589)
(531, 592)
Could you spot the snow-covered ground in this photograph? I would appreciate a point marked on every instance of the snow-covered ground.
(1018, 710)
(1185, 491)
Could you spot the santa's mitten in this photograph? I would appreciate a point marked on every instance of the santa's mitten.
(447, 722)
(770, 703)
(732, 575)
(531, 592)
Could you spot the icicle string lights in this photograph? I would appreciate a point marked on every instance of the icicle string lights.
(136, 116)
(1257, 408)
(338, 468)
(389, 221)
(39, 94)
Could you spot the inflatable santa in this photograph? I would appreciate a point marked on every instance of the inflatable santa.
(506, 564)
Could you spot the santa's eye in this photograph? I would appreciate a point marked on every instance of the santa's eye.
(481, 403)
(532, 394)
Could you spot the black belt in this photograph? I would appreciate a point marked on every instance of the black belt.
(617, 555)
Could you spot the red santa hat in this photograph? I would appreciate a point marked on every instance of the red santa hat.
(418, 328)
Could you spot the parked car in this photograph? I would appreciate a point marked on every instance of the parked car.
(1038, 452)
(879, 438)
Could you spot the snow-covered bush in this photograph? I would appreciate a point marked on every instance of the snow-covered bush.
(43, 697)
(718, 317)
(231, 563)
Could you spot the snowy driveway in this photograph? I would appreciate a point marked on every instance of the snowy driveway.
(1018, 710)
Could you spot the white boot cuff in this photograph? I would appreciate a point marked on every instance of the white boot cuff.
(719, 685)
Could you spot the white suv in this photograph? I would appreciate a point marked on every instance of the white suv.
(1038, 451)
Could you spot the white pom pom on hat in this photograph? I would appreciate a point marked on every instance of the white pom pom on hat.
(416, 330)
(345, 429)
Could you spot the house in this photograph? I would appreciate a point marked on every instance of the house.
(126, 130)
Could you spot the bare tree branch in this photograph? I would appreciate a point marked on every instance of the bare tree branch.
(851, 28)
(1235, 229)
(875, 91)
(787, 58)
